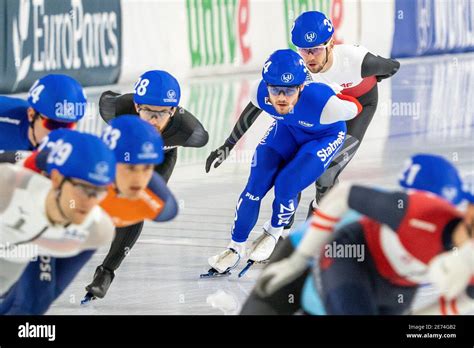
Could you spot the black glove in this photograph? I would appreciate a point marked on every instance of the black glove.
(220, 154)
(395, 66)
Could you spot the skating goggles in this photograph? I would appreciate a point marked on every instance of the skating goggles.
(287, 90)
(87, 190)
(314, 50)
(51, 124)
(151, 114)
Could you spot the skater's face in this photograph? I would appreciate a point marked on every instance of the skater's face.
(315, 58)
(470, 215)
(157, 116)
(132, 179)
(41, 126)
(284, 99)
(77, 197)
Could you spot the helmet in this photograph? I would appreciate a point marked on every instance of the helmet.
(134, 141)
(468, 187)
(58, 97)
(435, 174)
(82, 156)
(284, 68)
(157, 87)
(311, 29)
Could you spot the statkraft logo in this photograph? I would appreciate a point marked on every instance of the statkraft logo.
(46, 39)
(325, 153)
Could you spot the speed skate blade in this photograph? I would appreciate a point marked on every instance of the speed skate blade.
(88, 299)
(246, 268)
(212, 273)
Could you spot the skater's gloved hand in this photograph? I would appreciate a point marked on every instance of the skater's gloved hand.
(451, 271)
(220, 154)
(279, 274)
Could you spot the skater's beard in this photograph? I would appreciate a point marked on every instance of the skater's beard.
(315, 67)
(283, 107)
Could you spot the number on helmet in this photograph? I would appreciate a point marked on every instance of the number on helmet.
(141, 85)
(35, 93)
(110, 137)
(328, 23)
(410, 172)
(60, 153)
(266, 66)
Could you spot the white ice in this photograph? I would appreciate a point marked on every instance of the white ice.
(427, 107)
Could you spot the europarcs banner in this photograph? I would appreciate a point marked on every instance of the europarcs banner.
(79, 37)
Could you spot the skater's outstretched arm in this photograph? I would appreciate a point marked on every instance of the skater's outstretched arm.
(112, 104)
(245, 121)
(158, 186)
(184, 129)
(379, 67)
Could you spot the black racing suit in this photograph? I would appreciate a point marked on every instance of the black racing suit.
(183, 129)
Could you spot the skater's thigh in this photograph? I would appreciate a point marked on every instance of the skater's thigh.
(309, 162)
(286, 300)
(265, 166)
(347, 280)
(68, 268)
(298, 174)
(280, 138)
(346, 288)
(326, 147)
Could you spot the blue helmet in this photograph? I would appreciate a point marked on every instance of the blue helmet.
(311, 29)
(58, 97)
(468, 187)
(435, 174)
(157, 87)
(134, 141)
(81, 156)
(284, 68)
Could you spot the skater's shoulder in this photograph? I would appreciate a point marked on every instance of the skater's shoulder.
(12, 103)
(349, 51)
(316, 92)
(424, 202)
(13, 111)
(258, 93)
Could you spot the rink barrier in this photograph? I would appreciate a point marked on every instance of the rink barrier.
(98, 46)
(428, 27)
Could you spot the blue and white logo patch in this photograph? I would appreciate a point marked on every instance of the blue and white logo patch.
(148, 151)
(287, 77)
(102, 168)
(310, 36)
(101, 172)
(171, 96)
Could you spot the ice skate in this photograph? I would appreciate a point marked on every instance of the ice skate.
(223, 263)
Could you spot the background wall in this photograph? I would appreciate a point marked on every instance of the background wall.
(101, 42)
